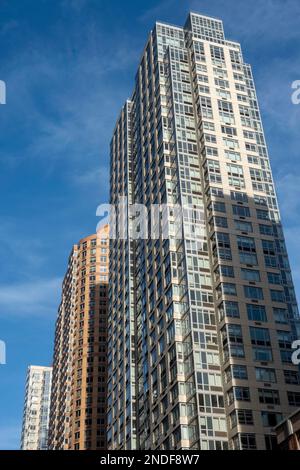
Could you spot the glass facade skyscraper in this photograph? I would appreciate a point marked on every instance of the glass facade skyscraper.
(200, 326)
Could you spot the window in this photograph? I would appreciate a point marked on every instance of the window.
(246, 244)
(253, 160)
(264, 374)
(250, 275)
(262, 215)
(225, 106)
(260, 336)
(219, 424)
(229, 308)
(229, 130)
(235, 175)
(270, 419)
(223, 246)
(220, 222)
(248, 258)
(266, 229)
(215, 401)
(260, 200)
(249, 147)
(210, 138)
(217, 52)
(218, 206)
(284, 339)
(227, 271)
(285, 345)
(222, 239)
(253, 292)
(241, 211)
(235, 170)
(247, 134)
(223, 94)
(221, 83)
(218, 192)
(269, 253)
(239, 394)
(274, 278)
(238, 196)
(235, 156)
(262, 354)
(235, 56)
(280, 315)
(233, 350)
(209, 126)
(277, 295)
(268, 397)
(294, 398)
(243, 226)
(206, 108)
(256, 312)
(235, 371)
(241, 417)
(291, 377)
(234, 333)
(213, 168)
(239, 372)
(286, 356)
(228, 288)
(244, 441)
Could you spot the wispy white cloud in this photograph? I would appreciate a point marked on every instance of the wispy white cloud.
(92, 176)
(274, 81)
(288, 186)
(28, 254)
(66, 98)
(35, 298)
(288, 189)
(292, 236)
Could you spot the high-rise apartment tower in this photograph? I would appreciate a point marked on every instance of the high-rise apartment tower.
(36, 408)
(200, 326)
(78, 397)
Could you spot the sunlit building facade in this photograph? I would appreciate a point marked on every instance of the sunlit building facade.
(200, 326)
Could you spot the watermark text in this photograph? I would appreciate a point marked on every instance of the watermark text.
(2, 352)
(2, 92)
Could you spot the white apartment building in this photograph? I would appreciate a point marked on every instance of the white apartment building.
(36, 408)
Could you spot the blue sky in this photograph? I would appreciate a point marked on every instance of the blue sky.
(68, 66)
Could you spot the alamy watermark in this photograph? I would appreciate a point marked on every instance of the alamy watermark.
(2, 352)
(139, 222)
(2, 92)
(169, 221)
(2, 343)
(296, 94)
(296, 354)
